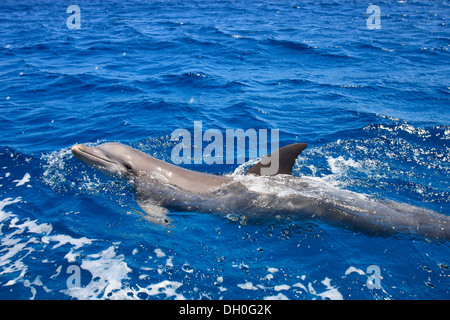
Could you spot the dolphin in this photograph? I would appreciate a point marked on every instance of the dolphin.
(160, 186)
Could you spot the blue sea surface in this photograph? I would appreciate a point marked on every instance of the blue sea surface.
(372, 104)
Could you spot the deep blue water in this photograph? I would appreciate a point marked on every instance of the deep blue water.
(373, 105)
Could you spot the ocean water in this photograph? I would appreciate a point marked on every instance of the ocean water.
(373, 105)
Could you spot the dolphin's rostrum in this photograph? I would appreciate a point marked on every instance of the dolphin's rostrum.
(160, 185)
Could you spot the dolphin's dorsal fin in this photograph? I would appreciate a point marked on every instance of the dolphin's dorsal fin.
(286, 159)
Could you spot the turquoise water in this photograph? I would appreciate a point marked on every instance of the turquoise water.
(373, 105)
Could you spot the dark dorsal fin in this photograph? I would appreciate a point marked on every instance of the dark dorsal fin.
(286, 157)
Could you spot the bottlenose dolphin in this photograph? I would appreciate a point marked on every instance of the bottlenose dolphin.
(160, 185)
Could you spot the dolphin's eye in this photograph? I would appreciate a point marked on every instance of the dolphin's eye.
(127, 166)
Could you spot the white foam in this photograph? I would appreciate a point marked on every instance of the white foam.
(63, 239)
(272, 270)
(267, 185)
(108, 271)
(166, 287)
(21, 238)
(58, 271)
(247, 286)
(159, 253)
(282, 287)
(11, 252)
(301, 286)
(353, 269)
(331, 293)
(33, 226)
(15, 249)
(169, 262)
(268, 277)
(339, 165)
(311, 289)
(55, 167)
(24, 180)
(5, 202)
(72, 256)
(279, 296)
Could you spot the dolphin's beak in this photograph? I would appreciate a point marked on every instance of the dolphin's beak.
(90, 155)
(81, 152)
(76, 149)
(96, 158)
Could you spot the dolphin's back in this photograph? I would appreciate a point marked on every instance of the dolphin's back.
(188, 180)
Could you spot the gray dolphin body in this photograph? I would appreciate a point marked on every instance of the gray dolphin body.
(160, 185)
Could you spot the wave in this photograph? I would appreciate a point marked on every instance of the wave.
(200, 80)
(394, 160)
